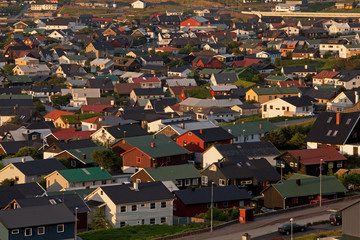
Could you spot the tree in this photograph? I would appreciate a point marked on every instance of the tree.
(7, 182)
(1, 166)
(8, 68)
(98, 220)
(38, 105)
(85, 31)
(61, 100)
(28, 151)
(352, 180)
(107, 159)
(188, 49)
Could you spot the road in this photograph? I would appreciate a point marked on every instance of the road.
(304, 14)
(263, 226)
(21, 13)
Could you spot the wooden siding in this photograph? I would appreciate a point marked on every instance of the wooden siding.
(351, 220)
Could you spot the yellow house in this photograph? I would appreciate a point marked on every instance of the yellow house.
(26, 61)
(262, 95)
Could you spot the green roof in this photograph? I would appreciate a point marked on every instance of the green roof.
(84, 174)
(315, 41)
(173, 173)
(16, 96)
(209, 71)
(164, 146)
(309, 186)
(276, 78)
(250, 128)
(328, 88)
(77, 118)
(76, 57)
(19, 79)
(352, 46)
(111, 77)
(79, 153)
(300, 176)
(121, 51)
(276, 90)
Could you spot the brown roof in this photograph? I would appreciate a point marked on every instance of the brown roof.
(126, 88)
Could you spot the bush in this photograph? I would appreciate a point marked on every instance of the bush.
(224, 215)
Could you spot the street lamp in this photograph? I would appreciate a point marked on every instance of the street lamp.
(286, 122)
(291, 228)
(321, 160)
(76, 211)
(244, 135)
(212, 203)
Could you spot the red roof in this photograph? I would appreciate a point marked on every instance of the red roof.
(175, 107)
(102, 19)
(93, 120)
(57, 113)
(146, 80)
(165, 49)
(326, 74)
(246, 62)
(178, 89)
(313, 156)
(63, 135)
(94, 108)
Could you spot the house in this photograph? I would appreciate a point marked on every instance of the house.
(126, 64)
(159, 104)
(253, 175)
(100, 63)
(78, 177)
(195, 21)
(73, 121)
(299, 71)
(338, 130)
(300, 190)
(145, 93)
(217, 115)
(37, 70)
(249, 131)
(275, 79)
(142, 203)
(222, 90)
(51, 222)
(55, 114)
(191, 202)
(197, 104)
(58, 146)
(138, 4)
(308, 161)
(251, 150)
(247, 109)
(153, 60)
(146, 82)
(334, 46)
(99, 50)
(11, 148)
(283, 7)
(263, 95)
(20, 26)
(183, 176)
(309, 53)
(31, 171)
(104, 84)
(335, 28)
(70, 71)
(350, 219)
(26, 61)
(108, 135)
(345, 100)
(66, 134)
(180, 71)
(150, 151)
(288, 106)
(221, 79)
(80, 95)
(272, 55)
(206, 62)
(325, 77)
(199, 140)
(73, 59)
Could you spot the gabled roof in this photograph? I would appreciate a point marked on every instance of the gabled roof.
(249, 128)
(24, 190)
(313, 156)
(212, 134)
(160, 104)
(94, 108)
(225, 78)
(296, 69)
(39, 167)
(74, 144)
(148, 91)
(148, 192)
(84, 154)
(57, 113)
(14, 146)
(220, 194)
(325, 130)
(45, 215)
(302, 101)
(309, 186)
(173, 173)
(130, 130)
(326, 74)
(84, 174)
(63, 134)
(275, 90)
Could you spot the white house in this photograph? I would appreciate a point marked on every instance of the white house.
(157, 125)
(342, 28)
(216, 115)
(288, 106)
(138, 204)
(35, 70)
(102, 63)
(138, 4)
(342, 101)
(287, 8)
(273, 55)
(79, 95)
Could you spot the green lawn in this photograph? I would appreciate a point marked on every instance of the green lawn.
(315, 236)
(256, 118)
(243, 83)
(316, 7)
(142, 232)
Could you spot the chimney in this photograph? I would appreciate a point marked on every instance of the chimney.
(234, 123)
(299, 94)
(201, 131)
(245, 236)
(102, 168)
(152, 144)
(77, 117)
(182, 125)
(333, 69)
(337, 118)
(298, 181)
(136, 186)
(260, 126)
(306, 66)
(23, 160)
(84, 156)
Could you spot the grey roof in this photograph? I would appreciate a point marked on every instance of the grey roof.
(150, 191)
(75, 144)
(212, 134)
(159, 104)
(319, 94)
(182, 127)
(302, 101)
(226, 78)
(148, 91)
(130, 130)
(291, 70)
(110, 120)
(248, 149)
(39, 167)
(220, 194)
(18, 191)
(14, 146)
(7, 161)
(36, 216)
(103, 46)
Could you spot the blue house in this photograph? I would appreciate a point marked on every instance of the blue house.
(53, 222)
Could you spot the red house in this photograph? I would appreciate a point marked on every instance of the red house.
(246, 62)
(190, 202)
(194, 22)
(206, 62)
(200, 140)
(152, 151)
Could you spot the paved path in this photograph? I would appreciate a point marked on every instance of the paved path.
(269, 224)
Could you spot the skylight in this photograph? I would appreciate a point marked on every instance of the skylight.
(348, 121)
(329, 120)
(329, 133)
(335, 132)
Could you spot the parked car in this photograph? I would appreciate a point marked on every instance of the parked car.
(335, 219)
(286, 228)
(318, 200)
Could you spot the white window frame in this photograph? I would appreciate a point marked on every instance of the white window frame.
(204, 180)
(15, 231)
(222, 182)
(187, 182)
(136, 208)
(57, 228)
(38, 230)
(28, 235)
(195, 181)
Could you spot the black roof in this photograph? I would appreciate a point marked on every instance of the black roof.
(36, 216)
(8, 193)
(75, 144)
(149, 191)
(102, 83)
(39, 167)
(220, 194)
(212, 134)
(319, 94)
(248, 149)
(148, 91)
(302, 101)
(14, 146)
(16, 102)
(226, 78)
(41, 125)
(290, 70)
(159, 104)
(325, 130)
(103, 46)
(130, 130)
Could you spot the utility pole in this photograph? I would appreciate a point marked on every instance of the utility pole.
(321, 160)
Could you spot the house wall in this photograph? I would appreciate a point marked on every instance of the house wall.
(168, 131)
(103, 137)
(55, 182)
(210, 156)
(351, 220)
(50, 233)
(10, 172)
(121, 146)
(4, 234)
(109, 209)
(88, 126)
(191, 142)
(142, 176)
(273, 199)
(130, 159)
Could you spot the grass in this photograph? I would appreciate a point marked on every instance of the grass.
(316, 7)
(77, 11)
(320, 64)
(315, 236)
(74, 118)
(255, 118)
(142, 232)
(244, 83)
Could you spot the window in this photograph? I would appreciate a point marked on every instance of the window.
(271, 107)
(134, 208)
(339, 165)
(138, 160)
(195, 181)
(225, 204)
(329, 133)
(122, 224)
(142, 221)
(184, 143)
(163, 204)
(163, 220)
(28, 232)
(246, 182)
(15, 231)
(187, 182)
(40, 230)
(291, 164)
(335, 132)
(329, 120)
(103, 182)
(152, 205)
(204, 180)
(221, 182)
(348, 121)
(180, 183)
(60, 228)
(152, 220)
(123, 209)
